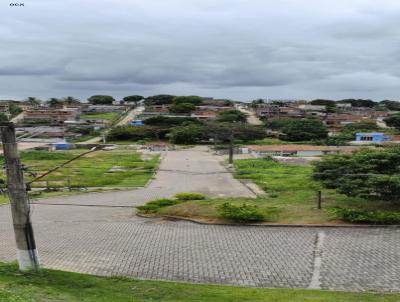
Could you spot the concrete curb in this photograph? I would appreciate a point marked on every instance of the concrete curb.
(270, 225)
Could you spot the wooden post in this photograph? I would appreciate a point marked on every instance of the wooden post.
(231, 149)
(27, 255)
(319, 200)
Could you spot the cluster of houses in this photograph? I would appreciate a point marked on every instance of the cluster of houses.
(344, 114)
(60, 120)
(207, 110)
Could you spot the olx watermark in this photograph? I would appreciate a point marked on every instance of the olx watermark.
(17, 4)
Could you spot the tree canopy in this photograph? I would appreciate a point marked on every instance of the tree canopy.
(133, 99)
(195, 100)
(393, 121)
(159, 99)
(101, 100)
(302, 130)
(161, 120)
(359, 102)
(54, 102)
(232, 115)
(372, 174)
(182, 108)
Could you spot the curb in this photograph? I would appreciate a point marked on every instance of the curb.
(270, 225)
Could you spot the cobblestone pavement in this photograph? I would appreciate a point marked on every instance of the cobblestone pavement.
(113, 241)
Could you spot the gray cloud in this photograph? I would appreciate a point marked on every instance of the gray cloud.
(236, 49)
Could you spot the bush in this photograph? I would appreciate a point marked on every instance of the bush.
(190, 196)
(242, 213)
(362, 216)
(154, 205)
(136, 133)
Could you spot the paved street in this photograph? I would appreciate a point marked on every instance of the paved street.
(99, 239)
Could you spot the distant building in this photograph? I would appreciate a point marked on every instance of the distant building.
(50, 116)
(104, 108)
(372, 137)
(295, 150)
(204, 115)
(136, 123)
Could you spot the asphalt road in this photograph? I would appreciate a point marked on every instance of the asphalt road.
(93, 233)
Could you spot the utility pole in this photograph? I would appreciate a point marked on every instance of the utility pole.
(27, 254)
(231, 147)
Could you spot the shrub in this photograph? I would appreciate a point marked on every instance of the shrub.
(363, 216)
(154, 205)
(190, 196)
(242, 213)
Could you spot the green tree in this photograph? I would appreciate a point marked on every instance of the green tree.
(33, 101)
(3, 117)
(182, 108)
(231, 116)
(188, 134)
(167, 121)
(101, 100)
(54, 102)
(195, 100)
(359, 102)
(393, 121)
(372, 174)
(133, 99)
(159, 99)
(323, 102)
(390, 105)
(135, 133)
(304, 130)
(14, 109)
(70, 100)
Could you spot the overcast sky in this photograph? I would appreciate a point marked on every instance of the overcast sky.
(239, 49)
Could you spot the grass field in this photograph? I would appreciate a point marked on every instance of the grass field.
(107, 169)
(110, 116)
(290, 196)
(50, 285)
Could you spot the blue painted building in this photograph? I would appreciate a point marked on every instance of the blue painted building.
(372, 137)
(62, 146)
(136, 123)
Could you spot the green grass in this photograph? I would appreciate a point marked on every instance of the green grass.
(110, 116)
(3, 199)
(51, 286)
(108, 169)
(290, 196)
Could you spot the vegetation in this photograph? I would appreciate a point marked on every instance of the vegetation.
(359, 102)
(159, 99)
(153, 206)
(133, 99)
(14, 109)
(137, 133)
(182, 108)
(290, 197)
(188, 134)
(168, 121)
(393, 121)
(190, 196)
(110, 116)
(116, 168)
(371, 174)
(304, 130)
(364, 216)
(101, 100)
(240, 213)
(52, 285)
(194, 100)
(232, 116)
